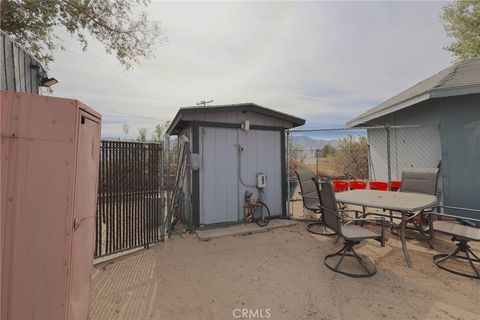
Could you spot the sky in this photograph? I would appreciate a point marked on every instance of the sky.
(326, 62)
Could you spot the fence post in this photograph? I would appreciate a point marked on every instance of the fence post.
(287, 163)
(389, 163)
(167, 169)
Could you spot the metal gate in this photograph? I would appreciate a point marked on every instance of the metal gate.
(130, 200)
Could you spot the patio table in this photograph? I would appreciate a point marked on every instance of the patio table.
(404, 202)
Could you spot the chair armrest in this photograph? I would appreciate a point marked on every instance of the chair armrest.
(383, 221)
(307, 197)
(350, 210)
(365, 219)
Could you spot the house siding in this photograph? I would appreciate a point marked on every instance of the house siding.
(460, 129)
(458, 145)
(19, 72)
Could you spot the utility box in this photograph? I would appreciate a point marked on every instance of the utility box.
(261, 180)
(49, 177)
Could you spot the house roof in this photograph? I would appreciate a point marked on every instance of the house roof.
(177, 123)
(459, 79)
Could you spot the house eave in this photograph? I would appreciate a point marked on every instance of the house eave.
(432, 94)
(363, 119)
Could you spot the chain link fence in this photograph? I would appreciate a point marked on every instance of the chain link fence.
(359, 158)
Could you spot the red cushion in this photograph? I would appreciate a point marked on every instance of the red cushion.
(357, 185)
(378, 185)
(339, 185)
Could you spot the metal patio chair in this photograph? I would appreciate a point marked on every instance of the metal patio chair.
(462, 233)
(311, 201)
(424, 181)
(351, 233)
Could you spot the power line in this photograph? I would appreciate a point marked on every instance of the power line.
(203, 102)
(131, 114)
(133, 74)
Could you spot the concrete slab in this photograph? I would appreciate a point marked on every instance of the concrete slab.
(243, 229)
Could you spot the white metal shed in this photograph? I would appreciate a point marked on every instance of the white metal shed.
(230, 145)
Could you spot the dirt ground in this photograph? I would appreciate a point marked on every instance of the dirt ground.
(280, 271)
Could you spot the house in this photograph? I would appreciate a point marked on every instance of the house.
(21, 71)
(231, 146)
(438, 119)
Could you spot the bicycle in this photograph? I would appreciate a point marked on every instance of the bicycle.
(256, 210)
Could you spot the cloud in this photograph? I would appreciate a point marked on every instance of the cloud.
(324, 61)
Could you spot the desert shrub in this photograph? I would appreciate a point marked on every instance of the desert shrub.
(297, 158)
(351, 157)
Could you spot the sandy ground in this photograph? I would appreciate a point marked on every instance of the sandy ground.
(282, 271)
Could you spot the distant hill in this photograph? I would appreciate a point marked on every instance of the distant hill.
(313, 144)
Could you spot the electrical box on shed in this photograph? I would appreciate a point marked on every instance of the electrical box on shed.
(195, 161)
(261, 180)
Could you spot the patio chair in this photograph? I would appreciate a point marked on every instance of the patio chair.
(424, 181)
(420, 180)
(462, 233)
(351, 233)
(311, 201)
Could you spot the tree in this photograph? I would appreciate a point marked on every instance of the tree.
(125, 129)
(142, 135)
(297, 157)
(462, 22)
(326, 152)
(159, 132)
(351, 158)
(115, 23)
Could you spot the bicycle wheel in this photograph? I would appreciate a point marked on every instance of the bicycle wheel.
(264, 216)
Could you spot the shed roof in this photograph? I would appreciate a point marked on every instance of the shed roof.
(459, 79)
(177, 123)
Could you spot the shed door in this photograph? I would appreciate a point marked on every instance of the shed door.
(86, 182)
(218, 175)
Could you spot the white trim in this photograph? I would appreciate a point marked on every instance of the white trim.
(370, 116)
(455, 91)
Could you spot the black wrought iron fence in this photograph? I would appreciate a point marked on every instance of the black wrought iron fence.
(130, 203)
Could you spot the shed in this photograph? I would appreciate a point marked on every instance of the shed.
(444, 111)
(230, 145)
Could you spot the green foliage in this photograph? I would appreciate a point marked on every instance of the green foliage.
(159, 132)
(327, 151)
(142, 135)
(462, 22)
(297, 157)
(115, 23)
(351, 157)
(125, 128)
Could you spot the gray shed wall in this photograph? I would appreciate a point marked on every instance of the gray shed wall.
(221, 193)
(238, 117)
(459, 119)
